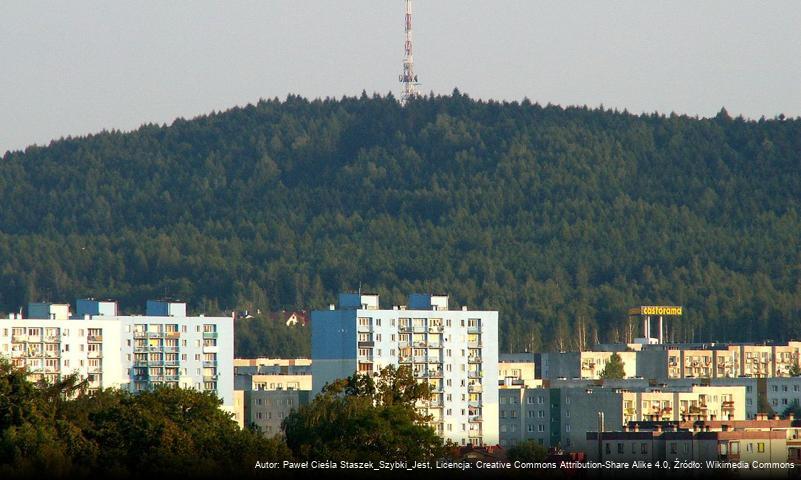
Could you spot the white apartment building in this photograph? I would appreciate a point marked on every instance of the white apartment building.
(163, 347)
(455, 351)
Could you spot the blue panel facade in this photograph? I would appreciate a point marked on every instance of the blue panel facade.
(333, 334)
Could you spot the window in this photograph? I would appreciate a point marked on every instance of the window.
(761, 447)
(620, 448)
(643, 448)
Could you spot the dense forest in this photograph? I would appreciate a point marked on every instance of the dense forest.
(560, 218)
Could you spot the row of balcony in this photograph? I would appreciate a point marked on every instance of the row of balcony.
(419, 359)
(157, 334)
(156, 363)
(149, 348)
(35, 339)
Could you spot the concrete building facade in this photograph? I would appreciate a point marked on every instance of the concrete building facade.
(455, 351)
(131, 352)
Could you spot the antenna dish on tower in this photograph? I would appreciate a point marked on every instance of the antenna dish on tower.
(408, 78)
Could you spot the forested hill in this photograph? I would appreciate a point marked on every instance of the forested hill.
(559, 218)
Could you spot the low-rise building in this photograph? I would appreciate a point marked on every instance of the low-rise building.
(760, 440)
(266, 409)
(561, 415)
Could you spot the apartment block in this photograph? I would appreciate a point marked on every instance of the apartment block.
(677, 361)
(562, 415)
(455, 351)
(52, 348)
(273, 374)
(163, 347)
(267, 409)
(760, 440)
(518, 370)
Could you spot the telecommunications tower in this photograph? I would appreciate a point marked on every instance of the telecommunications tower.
(408, 78)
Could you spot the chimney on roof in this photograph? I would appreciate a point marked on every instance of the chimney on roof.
(791, 416)
(776, 417)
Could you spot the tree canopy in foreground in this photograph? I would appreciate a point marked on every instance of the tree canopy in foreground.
(61, 431)
(365, 419)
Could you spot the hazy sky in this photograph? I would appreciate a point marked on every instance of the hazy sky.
(71, 68)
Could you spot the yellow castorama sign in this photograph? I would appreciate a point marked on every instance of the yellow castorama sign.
(656, 310)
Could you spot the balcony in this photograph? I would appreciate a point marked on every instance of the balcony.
(405, 360)
(366, 344)
(140, 334)
(474, 419)
(404, 329)
(155, 334)
(434, 345)
(474, 404)
(209, 363)
(94, 338)
(96, 354)
(19, 338)
(173, 334)
(419, 359)
(473, 359)
(420, 344)
(435, 374)
(473, 374)
(474, 388)
(209, 378)
(474, 329)
(51, 339)
(209, 334)
(474, 344)
(435, 329)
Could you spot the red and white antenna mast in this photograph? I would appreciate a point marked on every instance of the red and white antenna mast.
(408, 78)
